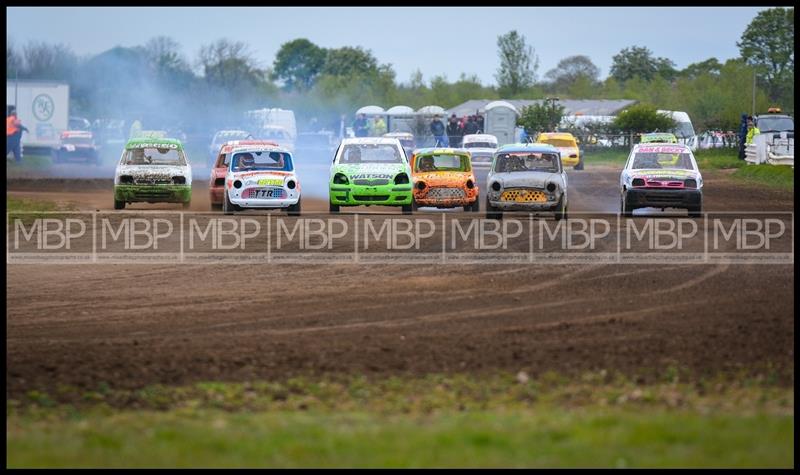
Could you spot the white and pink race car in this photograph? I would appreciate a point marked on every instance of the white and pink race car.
(661, 176)
(261, 176)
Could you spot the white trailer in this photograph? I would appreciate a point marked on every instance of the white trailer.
(42, 107)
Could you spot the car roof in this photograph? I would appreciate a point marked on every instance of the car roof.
(441, 151)
(139, 141)
(684, 148)
(398, 134)
(370, 140)
(527, 147)
(480, 137)
(557, 135)
(76, 133)
(230, 145)
(784, 116)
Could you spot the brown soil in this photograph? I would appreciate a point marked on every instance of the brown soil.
(132, 326)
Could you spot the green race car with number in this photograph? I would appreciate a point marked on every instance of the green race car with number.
(370, 171)
(153, 170)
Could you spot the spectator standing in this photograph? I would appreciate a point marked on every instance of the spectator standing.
(742, 135)
(360, 126)
(14, 129)
(438, 131)
(479, 123)
(454, 132)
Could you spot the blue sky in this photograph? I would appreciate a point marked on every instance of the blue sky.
(443, 40)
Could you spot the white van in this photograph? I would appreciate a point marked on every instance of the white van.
(683, 128)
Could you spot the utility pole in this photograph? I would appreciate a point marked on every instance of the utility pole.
(754, 93)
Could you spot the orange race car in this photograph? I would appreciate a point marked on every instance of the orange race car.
(443, 178)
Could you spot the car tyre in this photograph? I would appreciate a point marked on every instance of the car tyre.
(186, 204)
(227, 206)
(561, 210)
(696, 211)
(473, 207)
(216, 206)
(579, 166)
(294, 210)
(414, 205)
(492, 212)
(409, 209)
(119, 204)
(333, 208)
(625, 209)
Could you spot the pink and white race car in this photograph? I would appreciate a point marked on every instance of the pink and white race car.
(661, 176)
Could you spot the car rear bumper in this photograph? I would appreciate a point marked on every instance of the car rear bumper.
(659, 198)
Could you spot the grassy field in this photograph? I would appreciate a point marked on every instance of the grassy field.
(779, 176)
(434, 421)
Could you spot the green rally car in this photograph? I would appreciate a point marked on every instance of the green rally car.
(370, 171)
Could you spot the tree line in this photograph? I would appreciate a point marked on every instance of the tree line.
(157, 82)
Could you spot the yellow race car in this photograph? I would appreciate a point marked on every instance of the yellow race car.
(567, 145)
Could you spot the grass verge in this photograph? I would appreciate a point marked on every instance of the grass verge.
(434, 421)
(778, 176)
(27, 210)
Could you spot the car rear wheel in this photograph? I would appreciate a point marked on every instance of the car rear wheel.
(561, 210)
(624, 207)
(186, 204)
(473, 207)
(696, 211)
(579, 166)
(227, 206)
(408, 209)
(294, 210)
(333, 208)
(492, 212)
(216, 206)
(119, 204)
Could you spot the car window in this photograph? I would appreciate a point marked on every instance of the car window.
(775, 124)
(654, 160)
(154, 156)
(252, 161)
(441, 163)
(526, 162)
(370, 153)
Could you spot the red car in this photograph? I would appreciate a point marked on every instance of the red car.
(77, 145)
(216, 185)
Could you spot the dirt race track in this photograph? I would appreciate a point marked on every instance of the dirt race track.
(131, 326)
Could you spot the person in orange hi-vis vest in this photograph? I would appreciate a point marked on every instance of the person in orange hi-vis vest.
(14, 129)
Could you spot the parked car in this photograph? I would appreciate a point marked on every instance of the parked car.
(153, 170)
(661, 176)
(527, 177)
(370, 171)
(443, 178)
(77, 145)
